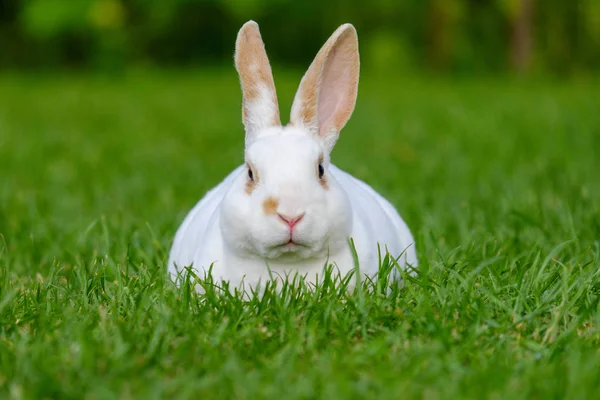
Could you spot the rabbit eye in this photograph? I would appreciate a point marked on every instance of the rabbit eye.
(250, 174)
(321, 171)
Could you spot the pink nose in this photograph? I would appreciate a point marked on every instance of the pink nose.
(291, 221)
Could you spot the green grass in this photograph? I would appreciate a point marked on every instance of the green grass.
(497, 179)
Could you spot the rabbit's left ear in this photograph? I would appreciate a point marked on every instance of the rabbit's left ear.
(259, 106)
(327, 94)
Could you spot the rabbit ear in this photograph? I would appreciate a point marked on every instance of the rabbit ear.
(327, 93)
(259, 107)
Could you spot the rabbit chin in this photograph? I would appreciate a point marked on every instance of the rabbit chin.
(268, 240)
(291, 252)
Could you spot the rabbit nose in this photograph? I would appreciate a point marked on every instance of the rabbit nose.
(291, 221)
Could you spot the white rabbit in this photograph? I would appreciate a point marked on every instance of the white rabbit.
(289, 210)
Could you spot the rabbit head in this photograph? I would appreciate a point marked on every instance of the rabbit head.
(285, 203)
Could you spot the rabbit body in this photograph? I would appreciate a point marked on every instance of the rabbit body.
(288, 210)
(374, 221)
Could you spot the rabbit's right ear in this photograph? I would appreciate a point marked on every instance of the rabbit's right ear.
(260, 109)
(327, 93)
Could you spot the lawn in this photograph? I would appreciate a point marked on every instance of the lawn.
(498, 181)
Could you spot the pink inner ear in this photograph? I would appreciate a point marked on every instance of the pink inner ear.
(337, 93)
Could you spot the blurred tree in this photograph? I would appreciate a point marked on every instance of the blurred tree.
(520, 16)
(443, 22)
(559, 34)
(590, 10)
(465, 36)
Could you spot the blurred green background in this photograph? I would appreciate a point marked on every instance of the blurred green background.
(555, 37)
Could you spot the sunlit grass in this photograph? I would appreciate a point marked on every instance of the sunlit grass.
(497, 180)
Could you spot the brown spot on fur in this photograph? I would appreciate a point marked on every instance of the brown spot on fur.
(270, 206)
(324, 183)
(250, 185)
(308, 93)
(276, 119)
(253, 66)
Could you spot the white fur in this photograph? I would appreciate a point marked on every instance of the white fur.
(261, 114)
(230, 231)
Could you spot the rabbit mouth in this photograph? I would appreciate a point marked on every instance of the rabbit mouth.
(290, 244)
(290, 250)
